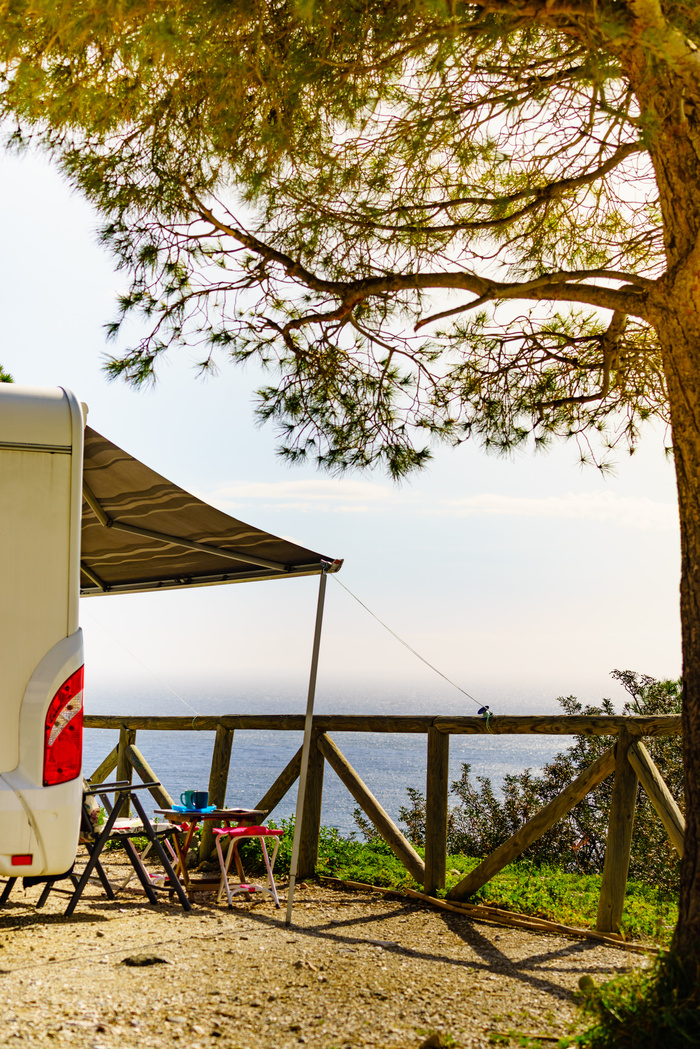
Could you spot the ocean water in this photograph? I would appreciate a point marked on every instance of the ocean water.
(388, 763)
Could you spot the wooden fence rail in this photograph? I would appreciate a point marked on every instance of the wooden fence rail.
(627, 758)
(504, 725)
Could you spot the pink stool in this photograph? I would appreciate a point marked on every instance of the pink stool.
(235, 835)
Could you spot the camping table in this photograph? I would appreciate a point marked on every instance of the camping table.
(187, 822)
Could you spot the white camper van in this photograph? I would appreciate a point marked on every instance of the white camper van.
(41, 651)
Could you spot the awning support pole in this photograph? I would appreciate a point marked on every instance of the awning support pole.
(308, 724)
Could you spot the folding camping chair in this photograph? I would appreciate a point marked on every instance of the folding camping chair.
(120, 828)
(94, 838)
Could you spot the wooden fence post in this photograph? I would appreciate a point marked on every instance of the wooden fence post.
(127, 738)
(311, 819)
(617, 848)
(284, 782)
(659, 794)
(436, 810)
(398, 844)
(105, 767)
(218, 781)
(147, 775)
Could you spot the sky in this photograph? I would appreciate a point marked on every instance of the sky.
(521, 580)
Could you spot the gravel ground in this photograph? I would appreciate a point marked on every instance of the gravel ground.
(355, 969)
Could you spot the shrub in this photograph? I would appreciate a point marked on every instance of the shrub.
(644, 1010)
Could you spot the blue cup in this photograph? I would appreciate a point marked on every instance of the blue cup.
(200, 799)
(187, 798)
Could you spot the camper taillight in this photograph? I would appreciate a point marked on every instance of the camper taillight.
(63, 732)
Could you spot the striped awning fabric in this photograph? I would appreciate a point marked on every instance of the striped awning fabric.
(141, 532)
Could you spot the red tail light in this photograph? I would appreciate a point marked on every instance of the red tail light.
(63, 732)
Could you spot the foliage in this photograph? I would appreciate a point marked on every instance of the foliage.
(482, 820)
(644, 1010)
(5, 376)
(428, 220)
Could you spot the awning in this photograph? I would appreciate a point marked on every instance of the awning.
(141, 532)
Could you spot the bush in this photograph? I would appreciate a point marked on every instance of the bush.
(644, 1010)
(482, 820)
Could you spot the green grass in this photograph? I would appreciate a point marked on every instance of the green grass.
(545, 892)
(549, 892)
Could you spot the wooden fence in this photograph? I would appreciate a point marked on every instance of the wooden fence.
(627, 759)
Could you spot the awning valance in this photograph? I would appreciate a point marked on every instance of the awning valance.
(142, 532)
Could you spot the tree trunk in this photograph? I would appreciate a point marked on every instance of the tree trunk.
(668, 104)
(681, 340)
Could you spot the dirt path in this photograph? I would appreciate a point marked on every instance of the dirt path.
(354, 970)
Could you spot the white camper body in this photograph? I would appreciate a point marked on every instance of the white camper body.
(41, 651)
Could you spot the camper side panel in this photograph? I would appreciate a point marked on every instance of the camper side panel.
(34, 575)
(41, 461)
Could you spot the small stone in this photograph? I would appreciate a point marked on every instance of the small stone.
(437, 1040)
(144, 959)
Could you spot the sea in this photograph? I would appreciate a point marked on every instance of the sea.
(388, 763)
